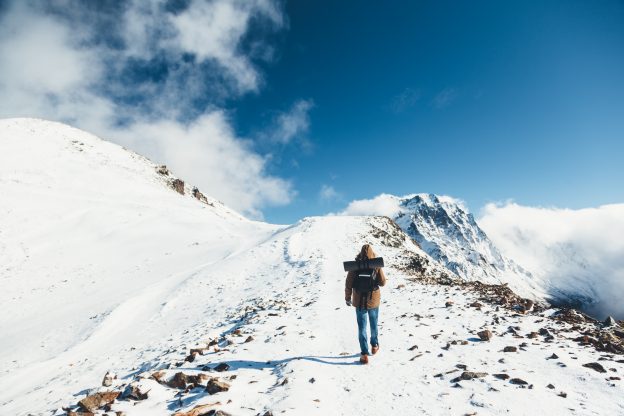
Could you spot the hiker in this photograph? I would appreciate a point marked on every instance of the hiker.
(362, 291)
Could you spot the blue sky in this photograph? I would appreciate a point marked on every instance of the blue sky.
(304, 106)
(484, 101)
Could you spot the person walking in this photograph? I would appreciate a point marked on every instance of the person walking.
(362, 292)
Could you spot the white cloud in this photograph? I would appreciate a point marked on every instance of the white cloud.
(383, 204)
(444, 98)
(74, 62)
(230, 161)
(577, 251)
(406, 99)
(291, 124)
(328, 193)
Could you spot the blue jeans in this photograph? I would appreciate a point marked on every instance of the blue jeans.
(362, 315)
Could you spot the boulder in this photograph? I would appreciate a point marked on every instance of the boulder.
(216, 386)
(518, 381)
(95, 401)
(510, 349)
(108, 379)
(485, 335)
(595, 366)
(200, 410)
(222, 367)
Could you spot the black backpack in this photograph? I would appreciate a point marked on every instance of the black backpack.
(365, 283)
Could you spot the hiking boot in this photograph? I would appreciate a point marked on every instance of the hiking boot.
(375, 349)
(364, 359)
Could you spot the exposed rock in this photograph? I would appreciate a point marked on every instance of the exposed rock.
(201, 410)
(553, 357)
(216, 386)
(95, 401)
(532, 335)
(476, 304)
(562, 394)
(162, 170)
(485, 335)
(544, 332)
(510, 349)
(448, 303)
(595, 366)
(159, 376)
(469, 375)
(108, 379)
(518, 381)
(249, 338)
(134, 391)
(550, 386)
(222, 367)
(609, 321)
(178, 186)
(501, 376)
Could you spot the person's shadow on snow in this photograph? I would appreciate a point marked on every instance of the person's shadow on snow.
(260, 365)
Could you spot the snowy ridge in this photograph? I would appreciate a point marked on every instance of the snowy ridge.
(444, 228)
(106, 268)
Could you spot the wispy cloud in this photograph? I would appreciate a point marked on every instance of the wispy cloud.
(292, 124)
(328, 193)
(444, 98)
(118, 70)
(406, 99)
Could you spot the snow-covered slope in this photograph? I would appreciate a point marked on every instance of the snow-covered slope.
(92, 242)
(105, 267)
(449, 233)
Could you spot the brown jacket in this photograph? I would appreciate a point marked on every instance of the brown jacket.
(352, 294)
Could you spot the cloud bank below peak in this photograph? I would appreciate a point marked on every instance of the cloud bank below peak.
(578, 252)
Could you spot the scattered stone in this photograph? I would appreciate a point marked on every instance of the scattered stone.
(552, 357)
(201, 410)
(449, 303)
(159, 376)
(510, 349)
(485, 335)
(134, 392)
(469, 375)
(562, 394)
(191, 357)
(413, 347)
(216, 386)
(550, 386)
(532, 335)
(249, 338)
(222, 367)
(501, 376)
(518, 381)
(95, 401)
(544, 332)
(312, 380)
(108, 379)
(476, 304)
(595, 366)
